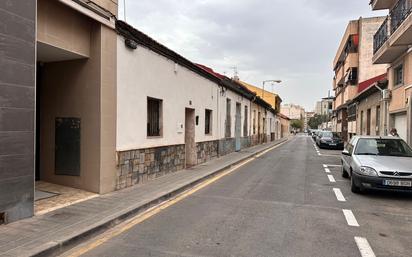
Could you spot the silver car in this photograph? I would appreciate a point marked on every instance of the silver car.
(383, 163)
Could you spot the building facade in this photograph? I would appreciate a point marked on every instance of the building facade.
(325, 106)
(17, 109)
(58, 99)
(392, 46)
(173, 114)
(352, 65)
(293, 111)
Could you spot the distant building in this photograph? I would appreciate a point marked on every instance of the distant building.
(325, 106)
(293, 111)
(308, 116)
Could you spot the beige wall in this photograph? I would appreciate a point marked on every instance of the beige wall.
(367, 69)
(108, 109)
(63, 27)
(351, 29)
(400, 94)
(370, 102)
(84, 89)
(110, 5)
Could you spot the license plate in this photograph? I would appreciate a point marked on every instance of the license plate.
(333, 144)
(397, 183)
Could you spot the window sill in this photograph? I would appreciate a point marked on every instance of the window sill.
(154, 137)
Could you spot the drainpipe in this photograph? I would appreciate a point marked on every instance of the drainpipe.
(385, 110)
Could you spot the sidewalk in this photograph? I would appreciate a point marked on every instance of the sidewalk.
(57, 231)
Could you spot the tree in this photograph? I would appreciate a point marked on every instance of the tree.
(317, 120)
(296, 124)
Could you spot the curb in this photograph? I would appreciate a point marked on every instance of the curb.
(72, 241)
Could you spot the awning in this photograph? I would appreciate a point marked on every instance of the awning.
(363, 86)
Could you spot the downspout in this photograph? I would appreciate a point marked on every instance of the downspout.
(385, 111)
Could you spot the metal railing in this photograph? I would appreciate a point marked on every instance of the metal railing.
(397, 16)
(399, 13)
(381, 36)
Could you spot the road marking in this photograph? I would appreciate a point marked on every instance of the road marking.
(331, 179)
(350, 218)
(127, 225)
(364, 247)
(327, 170)
(339, 195)
(331, 165)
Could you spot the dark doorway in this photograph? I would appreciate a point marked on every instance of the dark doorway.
(191, 153)
(368, 122)
(238, 124)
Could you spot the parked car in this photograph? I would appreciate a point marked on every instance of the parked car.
(330, 140)
(314, 134)
(382, 163)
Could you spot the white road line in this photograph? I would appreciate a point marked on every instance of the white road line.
(327, 170)
(331, 165)
(350, 218)
(364, 247)
(331, 179)
(339, 195)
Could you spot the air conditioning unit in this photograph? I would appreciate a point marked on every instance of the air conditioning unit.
(386, 94)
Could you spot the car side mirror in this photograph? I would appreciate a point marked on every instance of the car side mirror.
(346, 152)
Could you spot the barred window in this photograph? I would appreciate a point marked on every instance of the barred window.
(154, 117)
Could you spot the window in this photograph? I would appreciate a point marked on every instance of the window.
(398, 75)
(245, 123)
(228, 128)
(208, 122)
(154, 117)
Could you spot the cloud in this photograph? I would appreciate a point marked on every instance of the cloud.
(265, 39)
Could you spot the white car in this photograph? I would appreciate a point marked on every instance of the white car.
(382, 163)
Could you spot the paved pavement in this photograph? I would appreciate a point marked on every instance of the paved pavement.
(291, 201)
(58, 230)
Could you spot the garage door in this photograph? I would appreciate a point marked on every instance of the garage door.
(400, 125)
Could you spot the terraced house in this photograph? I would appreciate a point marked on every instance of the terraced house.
(193, 114)
(392, 46)
(91, 103)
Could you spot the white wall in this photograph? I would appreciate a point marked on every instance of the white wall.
(235, 98)
(142, 73)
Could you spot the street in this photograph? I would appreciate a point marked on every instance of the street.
(291, 201)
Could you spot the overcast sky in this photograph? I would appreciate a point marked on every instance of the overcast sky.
(291, 40)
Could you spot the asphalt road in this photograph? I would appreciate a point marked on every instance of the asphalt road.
(282, 204)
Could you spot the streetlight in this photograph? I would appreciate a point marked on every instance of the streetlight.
(269, 81)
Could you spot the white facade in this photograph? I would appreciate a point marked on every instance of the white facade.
(143, 73)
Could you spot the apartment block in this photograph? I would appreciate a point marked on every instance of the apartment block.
(293, 111)
(352, 65)
(392, 46)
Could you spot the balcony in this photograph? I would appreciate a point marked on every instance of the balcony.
(381, 35)
(395, 34)
(382, 4)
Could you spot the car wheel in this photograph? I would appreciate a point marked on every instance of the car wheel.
(353, 187)
(344, 172)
